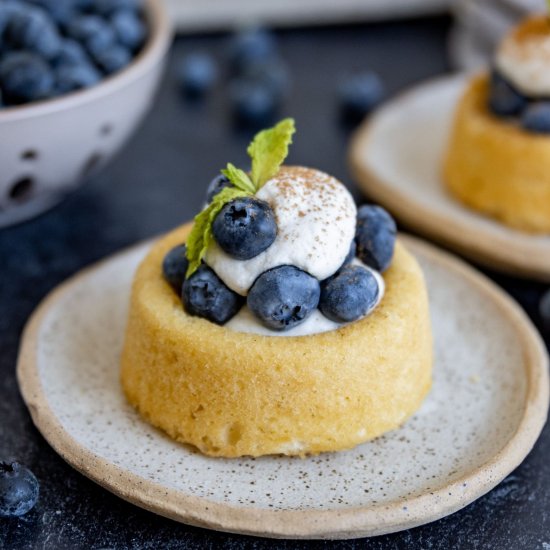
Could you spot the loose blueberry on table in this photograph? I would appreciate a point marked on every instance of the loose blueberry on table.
(360, 95)
(52, 47)
(197, 74)
(19, 489)
(244, 227)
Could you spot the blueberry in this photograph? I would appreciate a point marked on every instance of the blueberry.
(71, 53)
(197, 74)
(360, 94)
(216, 185)
(75, 77)
(174, 267)
(25, 77)
(536, 118)
(6, 11)
(254, 104)
(375, 237)
(129, 29)
(33, 30)
(347, 260)
(113, 59)
(283, 297)
(61, 11)
(245, 227)
(18, 489)
(85, 5)
(93, 32)
(108, 7)
(251, 47)
(272, 74)
(351, 254)
(504, 99)
(349, 295)
(204, 294)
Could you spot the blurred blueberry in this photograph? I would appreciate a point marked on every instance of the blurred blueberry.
(536, 118)
(61, 11)
(113, 59)
(84, 5)
(254, 104)
(71, 53)
(273, 73)
(360, 94)
(32, 29)
(504, 99)
(5, 15)
(197, 74)
(129, 29)
(25, 77)
(93, 32)
(75, 77)
(251, 46)
(108, 7)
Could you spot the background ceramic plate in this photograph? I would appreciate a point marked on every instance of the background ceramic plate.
(486, 409)
(397, 159)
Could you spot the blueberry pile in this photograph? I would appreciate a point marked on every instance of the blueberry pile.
(52, 47)
(284, 296)
(18, 489)
(505, 101)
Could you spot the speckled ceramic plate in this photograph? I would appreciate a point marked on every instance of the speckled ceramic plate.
(397, 159)
(485, 411)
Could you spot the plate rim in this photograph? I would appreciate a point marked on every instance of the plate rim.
(450, 231)
(355, 522)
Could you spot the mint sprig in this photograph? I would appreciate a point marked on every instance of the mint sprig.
(201, 236)
(239, 178)
(268, 150)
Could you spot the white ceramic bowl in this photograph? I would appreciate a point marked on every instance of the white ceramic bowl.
(48, 147)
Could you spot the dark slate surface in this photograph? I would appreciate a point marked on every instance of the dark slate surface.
(157, 183)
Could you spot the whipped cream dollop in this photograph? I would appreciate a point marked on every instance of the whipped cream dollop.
(523, 57)
(246, 321)
(315, 217)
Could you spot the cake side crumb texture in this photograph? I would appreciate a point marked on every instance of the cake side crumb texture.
(232, 394)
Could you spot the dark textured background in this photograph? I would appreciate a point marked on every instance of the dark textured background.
(157, 183)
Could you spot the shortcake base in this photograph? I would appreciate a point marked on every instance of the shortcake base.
(232, 393)
(496, 167)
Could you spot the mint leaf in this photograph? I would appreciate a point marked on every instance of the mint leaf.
(268, 151)
(201, 236)
(239, 178)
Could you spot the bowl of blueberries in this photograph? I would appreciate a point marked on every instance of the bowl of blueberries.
(76, 78)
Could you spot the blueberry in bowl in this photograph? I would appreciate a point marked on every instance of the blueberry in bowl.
(76, 78)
